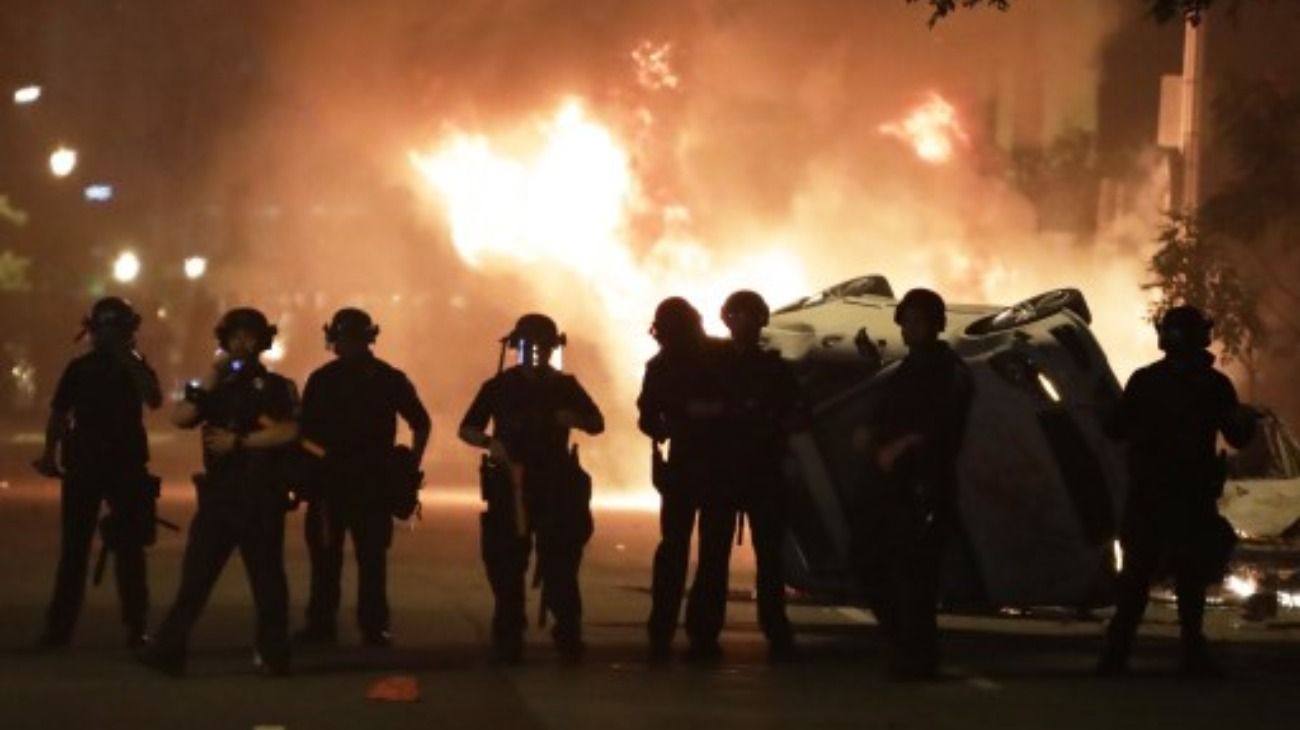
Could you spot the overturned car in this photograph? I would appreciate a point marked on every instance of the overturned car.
(1041, 486)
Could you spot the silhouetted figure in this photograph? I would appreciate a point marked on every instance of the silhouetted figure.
(535, 489)
(680, 409)
(95, 441)
(248, 416)
(1170, 416)
(349, 420)
(763, 407)
(910, 510)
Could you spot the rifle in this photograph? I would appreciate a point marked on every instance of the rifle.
(109, 535)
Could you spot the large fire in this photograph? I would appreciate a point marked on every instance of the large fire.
(562, 200)
(931, 129)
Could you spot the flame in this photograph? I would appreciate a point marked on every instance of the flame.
(566, 208)
(932, 129)
(654, 70)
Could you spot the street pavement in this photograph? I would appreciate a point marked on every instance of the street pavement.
(1002, 672)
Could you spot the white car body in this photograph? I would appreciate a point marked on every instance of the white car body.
(1040, 485)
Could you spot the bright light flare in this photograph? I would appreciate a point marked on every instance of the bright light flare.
(195, 267)
(1049, 387)
(126, 267)
(558, 207)
(98, 193)
(1242, 586)
(27, 94)
(276, 352)
(63, 161)
(931, 129)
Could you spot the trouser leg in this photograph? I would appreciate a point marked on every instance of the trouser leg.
(372, 533)
(1189, 586)
(325, 535)
(671, 563)
(767, 532)
(505, 558)
(706, 608)
(133, 508)
(1133, 588)
(560, 559)
(79, 513)
(261, 546)
(211, 539)
(917, 584)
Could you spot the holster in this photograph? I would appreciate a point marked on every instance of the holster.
(403, 479)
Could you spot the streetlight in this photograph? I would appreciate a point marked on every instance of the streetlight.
(63, 161)
(195, 267)
(27, 94)
(98, 193)
(126, 267)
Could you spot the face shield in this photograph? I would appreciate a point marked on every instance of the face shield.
(534, 354)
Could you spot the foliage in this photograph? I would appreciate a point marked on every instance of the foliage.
(14, 271)
(10, 214)
(1259, 122)
(1193, 267)
(1161, 10)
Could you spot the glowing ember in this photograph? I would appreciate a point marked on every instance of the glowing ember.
(932, 130)
(654, 70)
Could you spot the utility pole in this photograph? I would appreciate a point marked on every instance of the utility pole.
(1193, 90)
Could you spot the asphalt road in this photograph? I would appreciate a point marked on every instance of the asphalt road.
(1002, 672)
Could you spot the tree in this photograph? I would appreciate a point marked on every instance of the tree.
(1191, 267)
(1161, 10)
(1236, 256)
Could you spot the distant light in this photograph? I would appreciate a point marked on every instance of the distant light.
(63, 161)
(276, 352)
(1049, 387)
(99, 193)
(195, 267)
(1244, 586)
(27, 94)
(1117, 556)
(126, 267)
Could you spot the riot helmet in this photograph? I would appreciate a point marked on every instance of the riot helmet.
(928, 303)
(534, 338)
(1184, 329)
(749, 303)
(352, 324)
(249, 320)
(111, 319)
(676, 322)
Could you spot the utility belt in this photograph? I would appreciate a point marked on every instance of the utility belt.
(243, 486)
(131, 523)
(552, 495)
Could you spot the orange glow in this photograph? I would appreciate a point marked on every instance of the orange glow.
(932, 129)
(566, 208)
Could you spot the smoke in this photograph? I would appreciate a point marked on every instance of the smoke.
(750, 129)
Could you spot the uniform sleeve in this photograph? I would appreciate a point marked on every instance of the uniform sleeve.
(792, 410)
(1121, 423)
(65, 394)
(1238, 428)
(581, 403)
(285, 405)
(409, 406)
(482, 408)
(949, 423)
(649, 406)
(313, 410)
